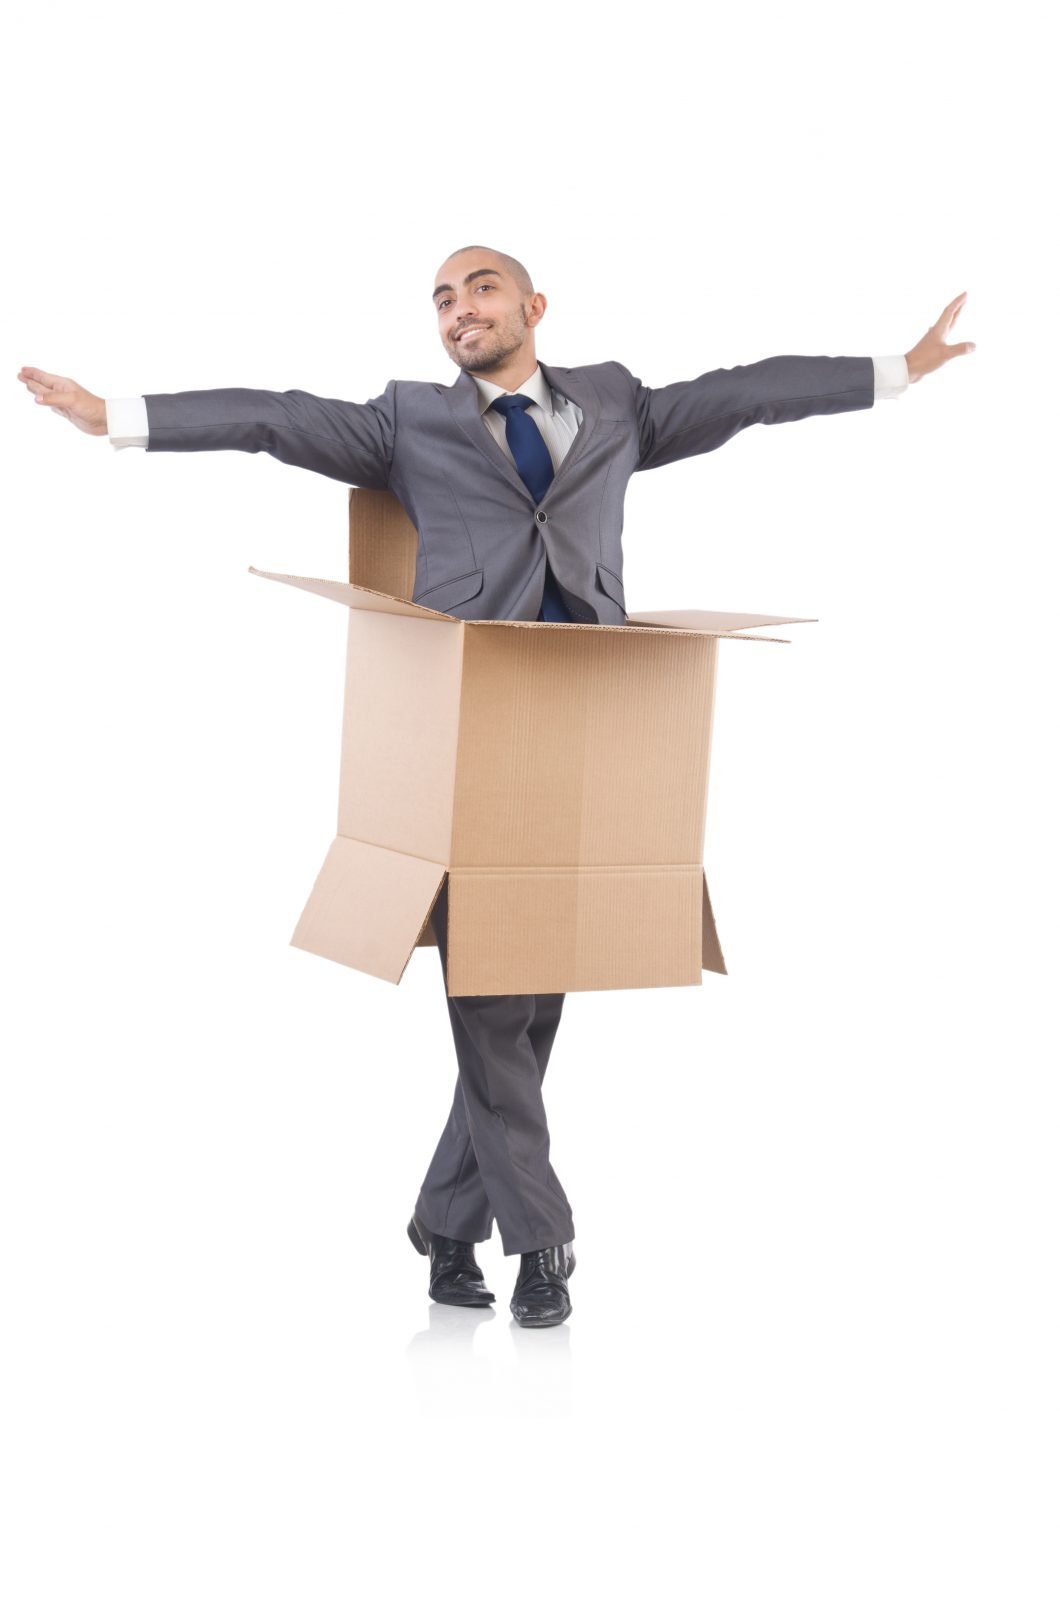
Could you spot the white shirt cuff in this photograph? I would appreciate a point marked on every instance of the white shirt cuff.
(891, 376)
(127, 422)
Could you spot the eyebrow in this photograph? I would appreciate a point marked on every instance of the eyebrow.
(479, 272)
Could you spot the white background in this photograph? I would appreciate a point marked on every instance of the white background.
(815, 1318)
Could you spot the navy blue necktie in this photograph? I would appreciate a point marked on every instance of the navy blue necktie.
(534, 465)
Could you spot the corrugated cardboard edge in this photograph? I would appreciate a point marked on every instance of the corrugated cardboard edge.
(619, 627)
(333, 589)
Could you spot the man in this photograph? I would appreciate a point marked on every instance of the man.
(515, 478)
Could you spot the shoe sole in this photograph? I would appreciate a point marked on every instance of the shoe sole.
(481, 1304)
(541, 1322)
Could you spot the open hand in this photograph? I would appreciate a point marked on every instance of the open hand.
(67, 399)
(933, 351)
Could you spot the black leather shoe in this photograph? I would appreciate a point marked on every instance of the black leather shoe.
(541, 1299)
(456, 1277)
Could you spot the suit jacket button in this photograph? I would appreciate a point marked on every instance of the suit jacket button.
(542, 516)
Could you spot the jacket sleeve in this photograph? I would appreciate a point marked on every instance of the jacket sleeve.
(688, 419)
(341, 439)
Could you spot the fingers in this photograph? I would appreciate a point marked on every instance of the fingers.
(47, 388)
(955, 308)
(952, 312)
(47, 380)
(944, 324)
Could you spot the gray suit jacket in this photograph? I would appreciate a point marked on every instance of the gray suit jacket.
(482, 539)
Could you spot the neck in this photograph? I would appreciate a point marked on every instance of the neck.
(513, 373)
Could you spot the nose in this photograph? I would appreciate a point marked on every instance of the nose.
(467, 307)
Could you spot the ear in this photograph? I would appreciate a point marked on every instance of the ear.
(538, 306)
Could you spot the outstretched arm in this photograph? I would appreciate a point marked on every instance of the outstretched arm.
(338, 438)
(687, 419)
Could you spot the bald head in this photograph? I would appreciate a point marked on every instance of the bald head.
(515, 269)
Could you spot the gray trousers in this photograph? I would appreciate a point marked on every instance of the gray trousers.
(492, 1159)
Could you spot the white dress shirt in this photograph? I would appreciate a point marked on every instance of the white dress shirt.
(557, 417)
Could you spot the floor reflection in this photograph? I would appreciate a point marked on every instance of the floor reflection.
(450, 1329)
(459, 1365)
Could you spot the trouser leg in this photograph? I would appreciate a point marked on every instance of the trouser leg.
(492, 1159)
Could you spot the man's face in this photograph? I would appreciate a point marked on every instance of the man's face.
(482, 317)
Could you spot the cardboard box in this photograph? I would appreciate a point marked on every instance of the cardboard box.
(557, 772)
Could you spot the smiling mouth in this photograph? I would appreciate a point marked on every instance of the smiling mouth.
(477, 327)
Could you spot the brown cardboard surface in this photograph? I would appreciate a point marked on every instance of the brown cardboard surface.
(367, 907)
(558, 772)
(383, 543)
(582, 747)
(401, 715)
(548, 932)
(713, 960)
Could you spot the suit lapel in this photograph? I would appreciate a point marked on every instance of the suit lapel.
(581, 391)
(464, 404)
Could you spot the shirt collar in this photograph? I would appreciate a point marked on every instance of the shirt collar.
(535, 386)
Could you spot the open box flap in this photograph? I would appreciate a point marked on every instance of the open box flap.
(716, 622)
(357, 598)
(368, 907)
(713, 960)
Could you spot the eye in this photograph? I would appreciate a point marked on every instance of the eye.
(442, 304)
(486, 285)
